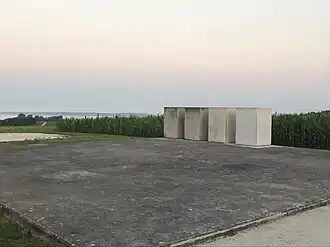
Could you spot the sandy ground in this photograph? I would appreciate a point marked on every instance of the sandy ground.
(311, 228)
(9, 137)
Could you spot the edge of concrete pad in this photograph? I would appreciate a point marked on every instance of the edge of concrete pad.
(178, 139)
(36, 230)
(252, 146)
(231, 231)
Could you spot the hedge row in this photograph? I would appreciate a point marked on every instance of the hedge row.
(311, 130)
(149, 126)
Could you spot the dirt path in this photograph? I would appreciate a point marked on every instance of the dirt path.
(311, 228)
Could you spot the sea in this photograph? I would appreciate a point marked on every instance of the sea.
(4, 115)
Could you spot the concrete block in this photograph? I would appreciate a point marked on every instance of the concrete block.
(254, 126)
(222, 124)
(174, 121)
(231, 125)
(196, 124)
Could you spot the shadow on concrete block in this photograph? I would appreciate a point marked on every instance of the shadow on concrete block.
(196, 123)
(222, 124)
(174, 118)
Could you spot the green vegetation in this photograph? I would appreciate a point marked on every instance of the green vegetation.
(310, 130)
(49, 128)
(26, 120)
(150, 126)
(12, 235)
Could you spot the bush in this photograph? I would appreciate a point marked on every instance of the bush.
(149, 126)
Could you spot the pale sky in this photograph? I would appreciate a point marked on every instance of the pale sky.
(139, 55)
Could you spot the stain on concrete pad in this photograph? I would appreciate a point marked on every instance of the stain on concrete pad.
(38, 145)
(242, 166)
(72, 176)
(206, 162)
(117, 166)
(116, 144)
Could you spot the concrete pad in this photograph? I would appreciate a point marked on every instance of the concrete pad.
(311, 228)
(196, 124)
(174, 122)
(253, 126)
(14, 137)
(147, 192)
(222, 124)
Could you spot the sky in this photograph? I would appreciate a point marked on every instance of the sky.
(139, 56)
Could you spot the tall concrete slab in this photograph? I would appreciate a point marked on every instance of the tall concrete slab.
(174, 122)
(196, 123)
(264, 126)
(222, 124)
(253, 126)
(217, 124)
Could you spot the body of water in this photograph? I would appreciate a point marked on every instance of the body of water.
(4, 115)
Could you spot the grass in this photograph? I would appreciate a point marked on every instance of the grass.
(50, 128)
(12, 235)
